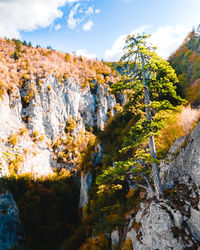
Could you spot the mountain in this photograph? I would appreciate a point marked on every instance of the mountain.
(62, 127)
(52, 107)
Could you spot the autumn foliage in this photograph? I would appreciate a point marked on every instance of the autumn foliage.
(19, 61)
(186, 62)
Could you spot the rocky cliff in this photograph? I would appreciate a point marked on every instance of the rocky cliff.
(172, 223)
(46, 130)
(30, 128)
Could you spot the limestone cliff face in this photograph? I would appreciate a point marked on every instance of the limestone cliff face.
(35, 116)
(172, 223)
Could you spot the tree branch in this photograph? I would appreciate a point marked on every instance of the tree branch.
(149, 188)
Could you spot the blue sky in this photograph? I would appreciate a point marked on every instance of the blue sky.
(97, 28)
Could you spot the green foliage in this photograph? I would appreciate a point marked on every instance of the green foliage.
(143, 70)
(24, 43)
(48, 208)
(15, 55)
(18, 44)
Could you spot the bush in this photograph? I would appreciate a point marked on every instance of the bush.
(128, 245)
(67, 57)
(12, 139)
(15, 55)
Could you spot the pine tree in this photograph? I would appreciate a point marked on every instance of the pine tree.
(148, 82)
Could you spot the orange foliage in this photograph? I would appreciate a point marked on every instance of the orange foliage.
(98, 243)
(193, 92)
(38, 63)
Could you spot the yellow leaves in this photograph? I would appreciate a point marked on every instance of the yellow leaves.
(170, 132)
(26, 76)
(12, 139)
(26, 99)
(67, 57)
(118, 108)
(37, 136)
(15, 163)
(103, 188)
(70, 125)
(23, 131)
(2, 90)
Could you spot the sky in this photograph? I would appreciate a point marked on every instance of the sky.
(98, 28)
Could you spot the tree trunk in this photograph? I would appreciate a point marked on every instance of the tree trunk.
(155, 169)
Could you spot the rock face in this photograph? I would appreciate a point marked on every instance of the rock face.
(33, 130)
(174, 222)
(11, 230)
(86, 183)
(56, 101)
(184, 160)
(37, 115)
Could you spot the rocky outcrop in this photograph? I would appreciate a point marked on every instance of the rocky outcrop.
(35, 116)
(11, 230)
(183, 160)
(86, 183)
(172, 223)
(55, 101)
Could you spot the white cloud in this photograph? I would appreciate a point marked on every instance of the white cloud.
(58, 27)
(89, 11)
(97, 11)
(28, 15)
(115, 53)
(167, 39)
(83, 52)
(88, 26)
(79, 14)
(72, 21)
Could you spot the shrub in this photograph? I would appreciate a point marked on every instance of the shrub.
(128, 245)
(15, 163)
(2, 90)
(67, 57)
(98, 243)
(35, 133)
(170, 132)
(70, 125)
(23, 130)
(15, 55)
(12, 139)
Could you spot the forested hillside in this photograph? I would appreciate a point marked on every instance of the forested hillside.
(186, 62)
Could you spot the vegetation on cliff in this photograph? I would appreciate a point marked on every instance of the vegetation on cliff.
(149, 83)
(21, 62)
